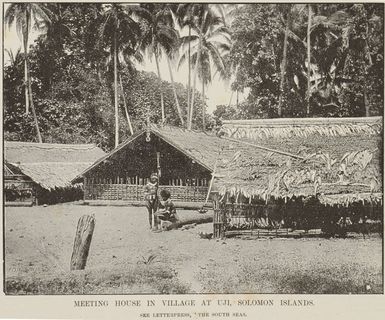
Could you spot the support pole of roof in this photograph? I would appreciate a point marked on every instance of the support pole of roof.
(264, 148)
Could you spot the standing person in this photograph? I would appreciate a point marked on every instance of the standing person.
(151, 197)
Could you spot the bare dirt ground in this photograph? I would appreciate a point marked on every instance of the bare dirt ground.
(39, 240)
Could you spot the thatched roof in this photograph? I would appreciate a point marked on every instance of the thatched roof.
(340, 157)
(324, 161)
(51, 165)
(258, 129)
(202, 147)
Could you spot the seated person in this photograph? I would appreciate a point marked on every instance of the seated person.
(166, 209)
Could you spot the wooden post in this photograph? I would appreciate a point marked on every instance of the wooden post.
(82, 242)
(218, 223)
(35, 194)
(85, 188)
(158, 168)
(137, 188)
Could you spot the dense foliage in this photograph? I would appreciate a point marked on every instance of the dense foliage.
(72, 90)
(346, 69)
(78, 108)
(79, 64)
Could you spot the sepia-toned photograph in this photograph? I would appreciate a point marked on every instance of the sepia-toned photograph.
(192, 148)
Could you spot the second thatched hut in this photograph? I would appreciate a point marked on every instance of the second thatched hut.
(298, 173)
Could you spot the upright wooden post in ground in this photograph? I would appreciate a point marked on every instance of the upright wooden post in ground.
(82, 242)
(85, 184)
(218, 225)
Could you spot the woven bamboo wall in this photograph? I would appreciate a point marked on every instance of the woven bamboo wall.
(134, 192)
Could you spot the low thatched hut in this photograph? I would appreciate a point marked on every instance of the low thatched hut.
(184, 160)
(298, 173)
(42, 172)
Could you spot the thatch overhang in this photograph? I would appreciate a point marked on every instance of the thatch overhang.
(260, 129)
(51, 165)
(201, 147)
(337, 160)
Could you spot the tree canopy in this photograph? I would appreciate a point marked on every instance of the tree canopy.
(346, 66)
(85, 85)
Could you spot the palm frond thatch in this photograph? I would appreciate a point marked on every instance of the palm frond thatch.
(339, 159)
(286, 128)
(51, 165)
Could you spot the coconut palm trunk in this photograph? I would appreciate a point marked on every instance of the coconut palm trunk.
(25, 46)
(161, 90)
(308, 62)
(365, 91)
(231, 98)
(125, 106)
(194, 84)
(27, 77)
(26, 82)
(116, 89)
(370, 62)
(203, 106)
(195, 75)
(174, 90)
(283, 66)
(39, 139)
(366, 101)
(189, 75)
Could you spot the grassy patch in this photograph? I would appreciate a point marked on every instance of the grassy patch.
(347, 280)
(314, 279)
(156, 279)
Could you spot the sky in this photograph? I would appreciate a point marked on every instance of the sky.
(217, 93)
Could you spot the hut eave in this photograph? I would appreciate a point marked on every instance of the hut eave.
(51, 175)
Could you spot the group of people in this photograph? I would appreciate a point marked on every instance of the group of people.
(160, 207)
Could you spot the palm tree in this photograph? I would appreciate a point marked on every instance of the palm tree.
(160, 37)
(128, 62)
(308, 59)
(179, 110)
(214, 46)
(120, 33)
(14, 59)
(60, 26)
(284, 59)
(26, 16)
(331, 33)
(172, 55)
(323, 45)
(185, 14)
(355, 39)
(321, 38)
(205, 15)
